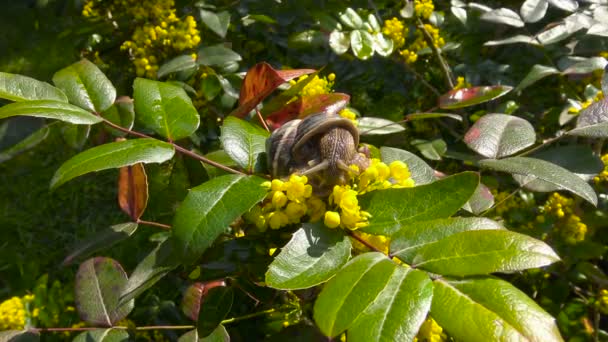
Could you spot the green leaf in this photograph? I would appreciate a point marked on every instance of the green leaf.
(378, 126)
(592, 131)
(210, 87)
(86, 86)
(339, 41)
(75, 135)
(351, 19)
(51, 110)
(209, 208)
(424, 116)
(19, 336)
(499, 135)
(471, 96)
(217, 55)
(481, 200)
(538, 72)
(503, 16)
(546, 171)
(15, 87)
(244, 143)
(362, 44)
(162, 260)
(578, 159)
(215, 306)
(520, 38)
(384, 319)
(113, 155)
(394, 209)
(216, 22)
(382, 45)
(177, 64)
(460, 14)
(480, 252)
(97, 292)
(586, 66)
(566, 5)
(432, 150)
(101, 240)
(306, 40)
(311, 257)
(496, 309)
(596, 113)
(120, 113)
(371, 295)
(406, 243)
(553, 34)
(533, 10)
(218, 335)
(420, 171)
(221, 157)
(165, 108)
(103, 335)
(26, 144)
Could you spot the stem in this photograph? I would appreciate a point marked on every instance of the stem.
(153, 327)
(422, 80)
(367, 244)
(543, 145)
(155, 224)
(259, 115)
(244, 317)
(176, 146)
(442, 63)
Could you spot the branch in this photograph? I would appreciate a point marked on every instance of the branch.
(442, 63)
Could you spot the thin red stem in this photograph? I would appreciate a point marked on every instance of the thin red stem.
(155, 224)
(259, 115)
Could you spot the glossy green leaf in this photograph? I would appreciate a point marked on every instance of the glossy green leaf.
(481, 252)
(370, 296)
(499, 135)
(214, 308)
(406, 243)
(15, 87)
(592, 131)
(596, 113)
(432, 150)
(97, 292)
(420, 171)
(362, 44)
(86, 86)
(312, 256)
(586, 66)
(471, 96)
(384, 319)
(218, 335)
(121, 113)
(210, 207)
(497, 310)
(395, 209)
(244, 143)
(546, 171)
(101, 240)
(424, 116)
(306, 40)
(177, 64)
(216, 22)
(520, 38)
(503, 16)
(537, 73)
(113, 155)
(162, 260)
(19, 336)
(578, 159)
(51, 110)
(351, 19)
(211, 87)
(481, 200)
(217, 55)
(221, 157)
(75, 135)
(460, 14)
(26, 144)
(165, 108)
(339, 41)
(533, 10)
(378, 126)
(103, 335)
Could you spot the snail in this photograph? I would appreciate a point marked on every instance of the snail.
(321, 146)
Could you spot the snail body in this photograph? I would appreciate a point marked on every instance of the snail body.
(320, 146)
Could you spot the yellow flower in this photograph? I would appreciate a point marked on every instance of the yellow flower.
(295, 211)
(297, 190)
(602, 301)
(423, 8)
(316, 208)
(277, 219)
(332, 219)
(279, 199)
(461, 83)
(396, 31)
(409, 56)
(318, 85)
(12, 314)
(430, 331)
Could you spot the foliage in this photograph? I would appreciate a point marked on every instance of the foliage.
(478, 198)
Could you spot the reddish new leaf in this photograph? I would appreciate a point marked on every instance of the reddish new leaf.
(327, 103)
(471, 96)
(133, 190)
(259, 82)
(195, 294)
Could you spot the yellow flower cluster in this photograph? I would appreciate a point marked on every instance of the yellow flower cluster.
(346, 211)
(13, 312)
(568, 224)
(587, 103)
(602, 301)
(430, 331)
(318, 85)
(603, 176)
(396, 31)
(411, 53)
(461, 83)
(350, 115)
(423, 8)
(380, 242)
(286, 203)
(504, 203)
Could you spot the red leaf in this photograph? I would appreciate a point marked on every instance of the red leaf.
(328, 103)
(261, 81)
(194, 296)
(133, 190)
(471, 96)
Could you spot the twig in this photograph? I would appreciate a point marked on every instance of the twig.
(176, 146)
(262, 121)
(442, 63)
(255, 314)
(155, 224)
(543, 145)
(422, 80)
(365, 243)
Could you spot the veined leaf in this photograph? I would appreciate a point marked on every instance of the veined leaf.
(471, 96)
(533, 10)
(538, 72)
(378, 126)
(86, 86)
(133, 190)
(103, 335)
(499, 135)
(420, 171)
(16, 87)
(244, 143)
(503, 16)
(104, 239)
(50, 109)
